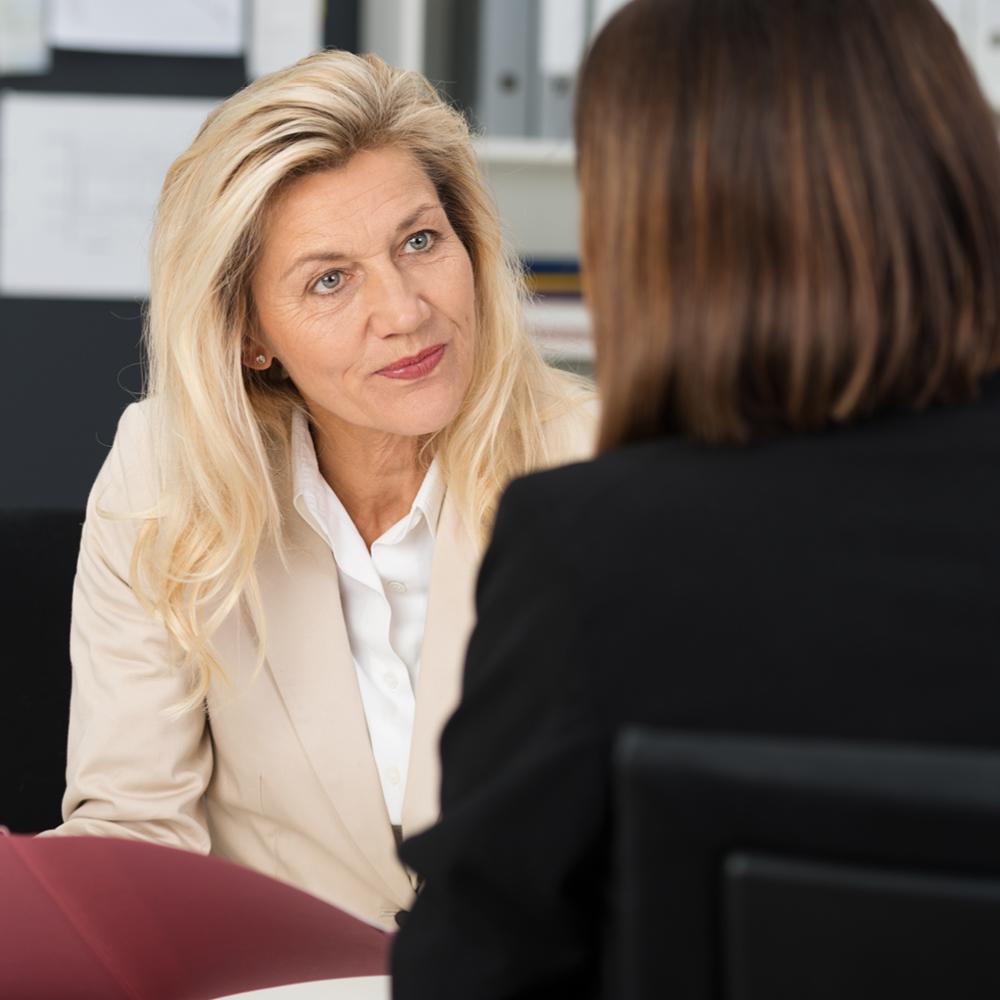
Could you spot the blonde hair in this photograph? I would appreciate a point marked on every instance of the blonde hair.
(222, 432)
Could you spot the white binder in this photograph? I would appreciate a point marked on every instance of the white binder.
(562, 35)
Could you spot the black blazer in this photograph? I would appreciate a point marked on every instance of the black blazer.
(838, 584)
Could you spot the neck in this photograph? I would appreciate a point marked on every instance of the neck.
(376, 476)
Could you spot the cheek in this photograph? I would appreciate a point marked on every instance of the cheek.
(468, 327)
(326, 363)
(464, 299)
(311, 341)
(277, 325)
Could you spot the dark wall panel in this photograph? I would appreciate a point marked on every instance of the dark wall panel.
(72, 367)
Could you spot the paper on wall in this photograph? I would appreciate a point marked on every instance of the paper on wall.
(282, 32)
(79, 180)
(23, 48)
(179, 27)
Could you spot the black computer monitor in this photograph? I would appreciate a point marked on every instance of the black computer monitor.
(776, 869)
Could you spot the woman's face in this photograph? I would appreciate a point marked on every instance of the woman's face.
(366, 296)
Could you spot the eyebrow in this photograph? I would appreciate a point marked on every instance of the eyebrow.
(334, 255)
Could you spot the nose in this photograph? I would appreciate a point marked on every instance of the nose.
(397, 305)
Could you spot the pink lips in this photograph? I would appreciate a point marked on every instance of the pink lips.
(416, 367)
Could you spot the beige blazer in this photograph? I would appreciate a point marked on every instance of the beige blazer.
(277, 772)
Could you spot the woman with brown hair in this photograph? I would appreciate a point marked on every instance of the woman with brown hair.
(792, 246)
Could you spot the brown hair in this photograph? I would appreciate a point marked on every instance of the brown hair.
(791, 215)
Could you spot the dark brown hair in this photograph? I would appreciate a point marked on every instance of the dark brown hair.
(791, 215)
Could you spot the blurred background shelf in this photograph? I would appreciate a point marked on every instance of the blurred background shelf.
(527, 151)
(510, 66)
(84, 353)
(562, 331)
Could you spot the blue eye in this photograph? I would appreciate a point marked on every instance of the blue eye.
(420, 241)
(330, 282)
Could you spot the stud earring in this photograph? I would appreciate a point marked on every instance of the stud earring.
(261, 359)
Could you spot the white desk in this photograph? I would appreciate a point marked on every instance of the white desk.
(368, 988)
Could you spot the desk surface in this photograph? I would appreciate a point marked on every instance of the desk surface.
(367, 988)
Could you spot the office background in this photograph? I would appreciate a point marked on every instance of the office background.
(72, 363)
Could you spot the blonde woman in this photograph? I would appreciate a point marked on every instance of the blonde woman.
(276, 576)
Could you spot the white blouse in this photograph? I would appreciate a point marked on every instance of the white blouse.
(384, 597)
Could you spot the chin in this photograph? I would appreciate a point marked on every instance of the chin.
(428, 420)
(419, 428)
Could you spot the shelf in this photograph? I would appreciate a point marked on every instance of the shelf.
(561, 329)
(534, 185)
(534, 152)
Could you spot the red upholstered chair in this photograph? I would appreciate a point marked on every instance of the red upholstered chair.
(85, 917)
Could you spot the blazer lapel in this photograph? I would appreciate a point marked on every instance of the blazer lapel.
(310, 659)
(450, 617)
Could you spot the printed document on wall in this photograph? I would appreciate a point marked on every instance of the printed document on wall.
(23, 47)
(179, 27)
(79, 180)
(282, 33)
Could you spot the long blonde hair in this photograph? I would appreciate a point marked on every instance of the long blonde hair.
(221, 432)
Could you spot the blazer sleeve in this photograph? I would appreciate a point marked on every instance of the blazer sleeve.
(134, 769)
(515, 870)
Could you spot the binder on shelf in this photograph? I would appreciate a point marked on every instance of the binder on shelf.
(552, 276)
(504, 66)
(562, 34)
(561, 329)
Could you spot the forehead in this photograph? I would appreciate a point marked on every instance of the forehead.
(349, 205)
